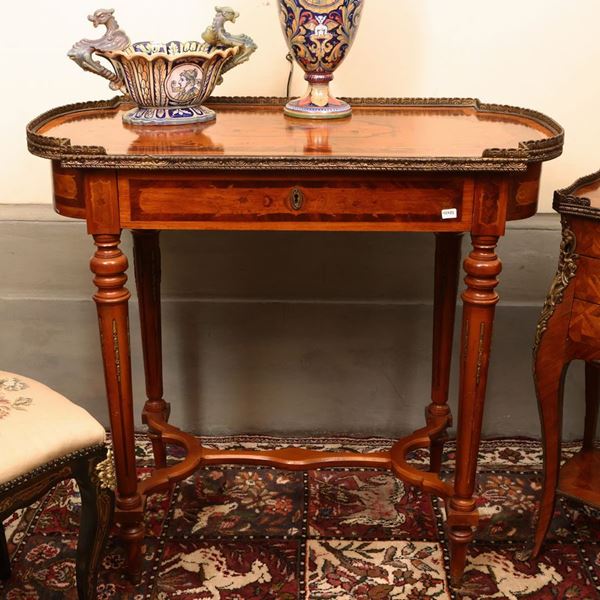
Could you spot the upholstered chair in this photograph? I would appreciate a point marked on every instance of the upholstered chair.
(45, 439)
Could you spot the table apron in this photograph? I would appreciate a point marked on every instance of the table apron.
(261, 201)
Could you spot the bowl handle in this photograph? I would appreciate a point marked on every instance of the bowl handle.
(113, 40)
(215, 35)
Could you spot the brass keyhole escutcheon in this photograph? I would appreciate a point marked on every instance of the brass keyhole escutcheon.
(296, 198)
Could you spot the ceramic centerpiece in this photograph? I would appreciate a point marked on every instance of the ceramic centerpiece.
(168, 81)
(319, 34)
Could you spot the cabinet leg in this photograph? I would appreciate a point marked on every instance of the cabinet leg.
(109, 266)
(592, 398)
(146, 248)
(479, 301)
(552, 354)
(447, 266)
(549, 383)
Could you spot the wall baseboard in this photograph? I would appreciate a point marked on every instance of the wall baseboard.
(277, 333)
(49, 259)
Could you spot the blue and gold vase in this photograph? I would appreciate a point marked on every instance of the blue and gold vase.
(319, 34)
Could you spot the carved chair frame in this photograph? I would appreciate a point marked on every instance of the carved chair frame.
(97, 506)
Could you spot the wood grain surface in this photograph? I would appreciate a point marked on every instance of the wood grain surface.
(443, 166)
(265, 131)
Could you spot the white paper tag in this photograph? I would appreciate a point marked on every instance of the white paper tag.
(449, 213)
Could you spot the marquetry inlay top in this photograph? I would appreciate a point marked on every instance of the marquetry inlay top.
(591, 192)
(580, 199)
(254, 133)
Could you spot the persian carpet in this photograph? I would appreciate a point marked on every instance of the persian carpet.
(234, 533)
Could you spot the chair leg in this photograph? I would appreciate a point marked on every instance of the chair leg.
(592, 400)
(97, 507)
(4, 558)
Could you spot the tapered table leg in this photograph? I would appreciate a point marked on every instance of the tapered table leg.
(479, 301)
(109, 266)
(146, 247)
(447, 266)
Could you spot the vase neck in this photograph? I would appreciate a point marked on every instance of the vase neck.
(319, 77)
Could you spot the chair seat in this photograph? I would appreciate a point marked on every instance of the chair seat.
(39, 425)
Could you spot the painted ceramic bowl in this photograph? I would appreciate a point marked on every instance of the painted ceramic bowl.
(168, 81)
(319, 34)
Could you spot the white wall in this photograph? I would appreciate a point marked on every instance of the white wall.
(541, 54)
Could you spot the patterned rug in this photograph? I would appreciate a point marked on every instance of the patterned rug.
(237, 533)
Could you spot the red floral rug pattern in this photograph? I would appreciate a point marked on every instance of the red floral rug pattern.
(245, 533)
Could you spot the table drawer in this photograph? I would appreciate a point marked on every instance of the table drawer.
(587, 281)
(584, 327)
(219, 201)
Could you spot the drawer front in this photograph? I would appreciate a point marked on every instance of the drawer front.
(587, 233)
(587, 281)
(185, 201)
(584, 327)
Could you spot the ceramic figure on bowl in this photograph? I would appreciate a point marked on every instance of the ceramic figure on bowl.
(319, 34)
(167, 81)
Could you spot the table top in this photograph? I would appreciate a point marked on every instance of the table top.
(582, 198)
(253, 133)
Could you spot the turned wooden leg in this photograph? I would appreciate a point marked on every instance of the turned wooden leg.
(109, 266)
(97, 505)
(479, 301)
(447, 266)
(592, 398)
(146, 248)
(4, 558)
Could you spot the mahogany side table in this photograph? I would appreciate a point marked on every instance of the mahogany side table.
(445, 166)
(569, 329)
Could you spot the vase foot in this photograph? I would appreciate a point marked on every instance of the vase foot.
(172, 115)
(304, 108)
